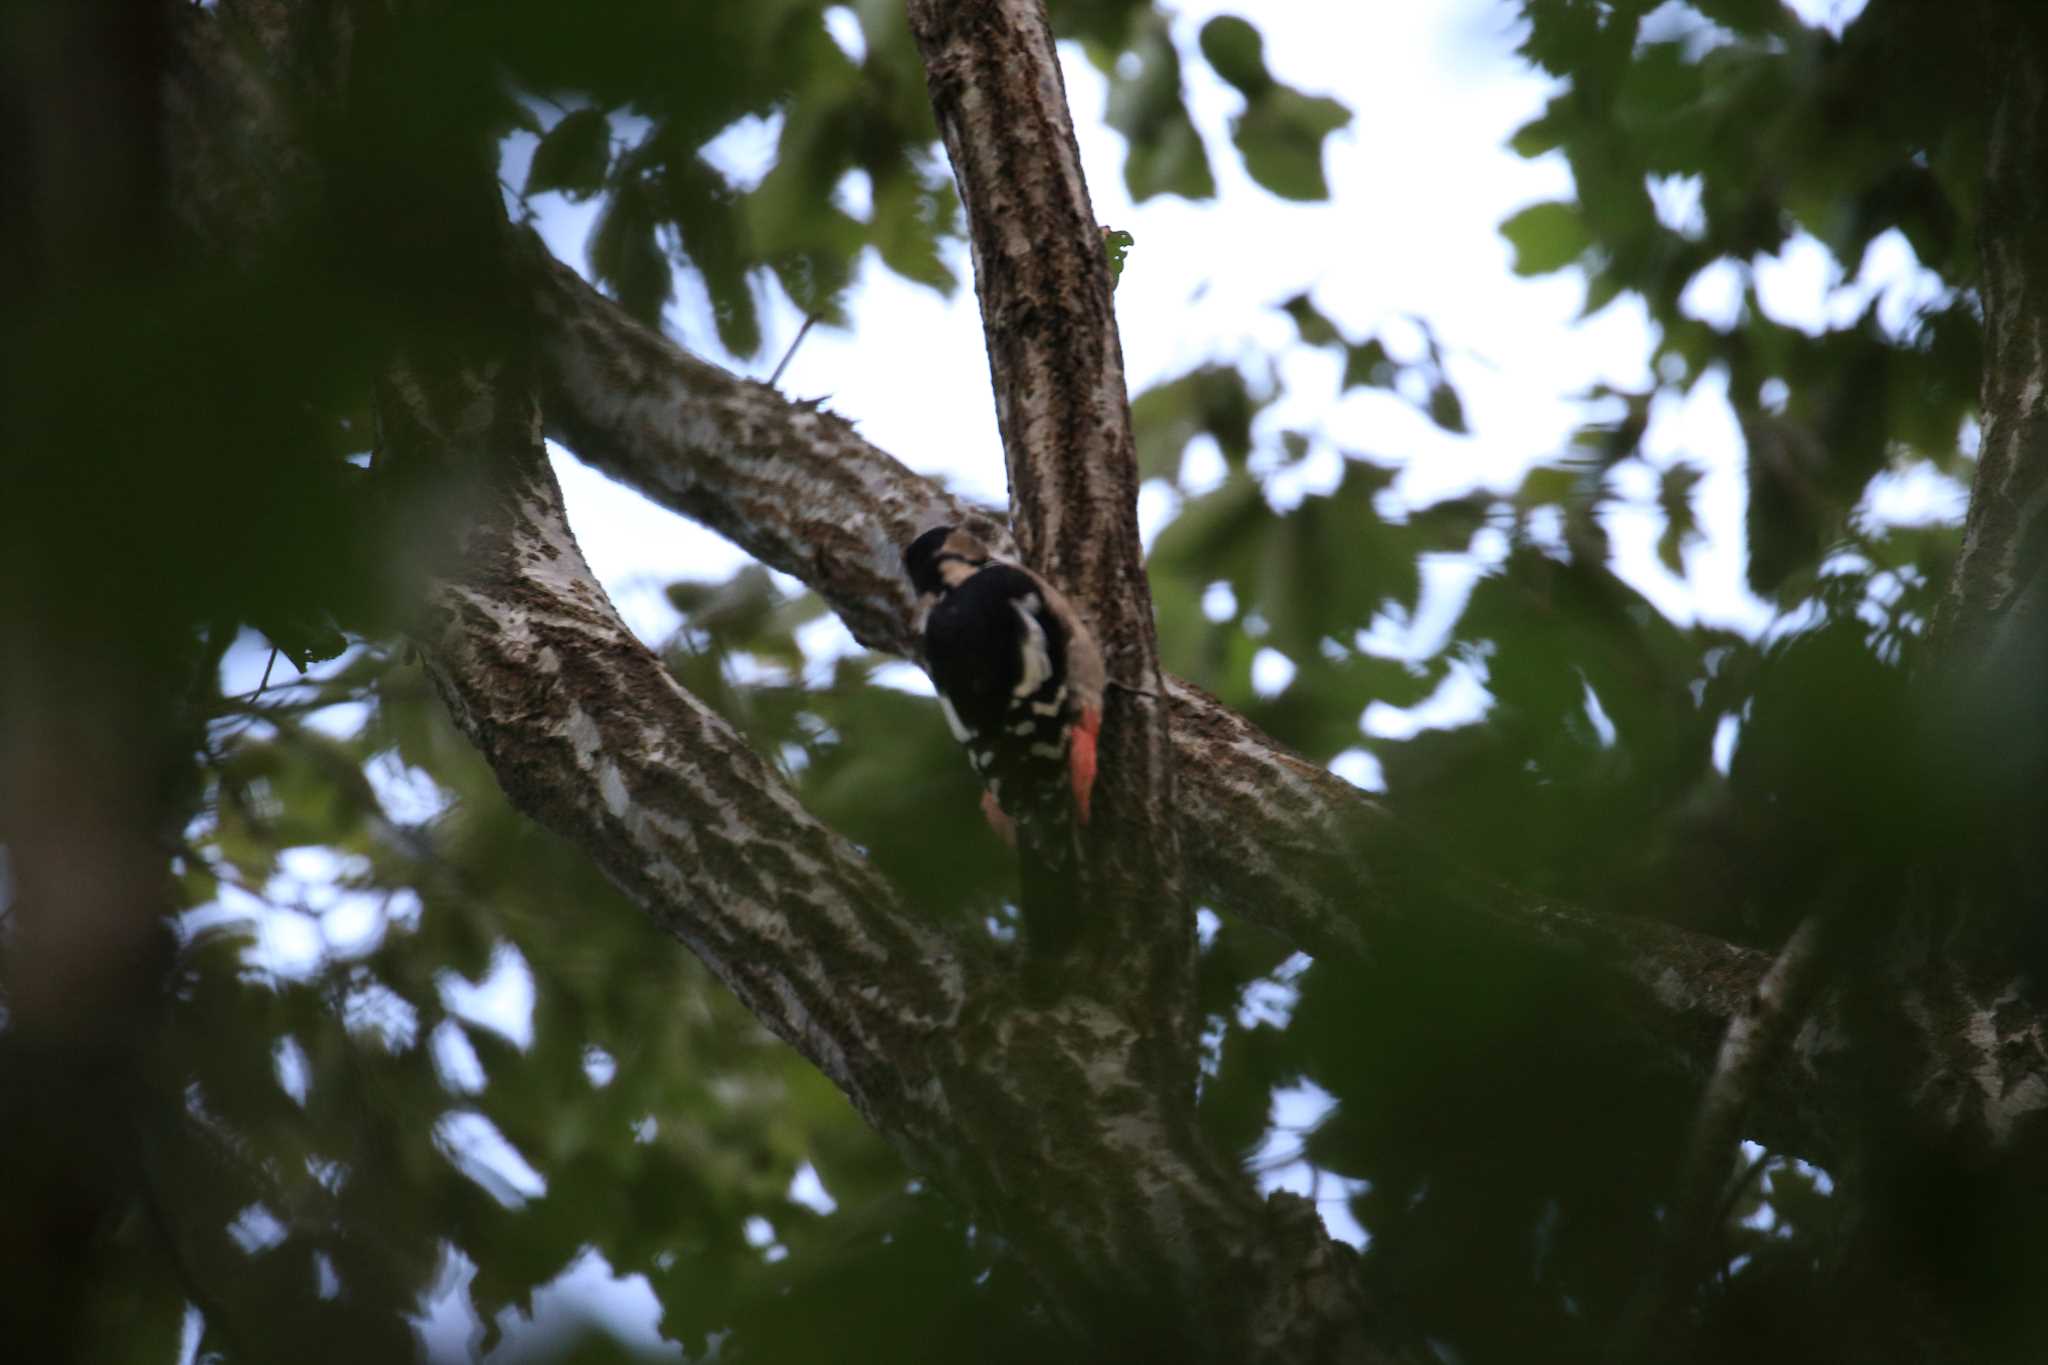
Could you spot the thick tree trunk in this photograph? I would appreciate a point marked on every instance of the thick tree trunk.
(94, 659)
(1996, 589)
(1057, 368)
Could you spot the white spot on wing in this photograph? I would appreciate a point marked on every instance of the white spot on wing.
(1037, 663)
(953, 723)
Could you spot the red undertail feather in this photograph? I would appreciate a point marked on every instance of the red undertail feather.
(1003, 825)
(1081, 757)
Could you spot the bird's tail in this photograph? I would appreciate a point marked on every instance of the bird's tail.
(1049, 886)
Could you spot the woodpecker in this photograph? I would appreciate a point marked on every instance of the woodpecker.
(1019, 677)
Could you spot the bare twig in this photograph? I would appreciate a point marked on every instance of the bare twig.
(810, 320)
(1753, 1042)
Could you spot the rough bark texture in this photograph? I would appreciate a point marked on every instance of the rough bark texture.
(1997, 582)
(594, 739)
(1060, 1121)
(1049, 1117)
(1057, 367)
(1043, 280)
(1958, 966)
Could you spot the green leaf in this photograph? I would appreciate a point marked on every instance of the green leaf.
(1173, 162)
(1446, 409)
(714, 229)
(1212, 399)
(1233, 48)
(1165, 153)
(1539, 135)
(1451, 523)
(1315, 329)
(1549, 484)
(304, 639)
(1116, 243)
(1367, 365)
(627, 258)
(1215, 533)
(1546, 237)
(911, 217)
(1748, 16)
(1281, 137)
(573, 157)
(1674, 499)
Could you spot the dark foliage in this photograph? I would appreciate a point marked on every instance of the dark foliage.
(293, 1144)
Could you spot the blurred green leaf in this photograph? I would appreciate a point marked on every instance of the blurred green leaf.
(1315, 329)
(1234, 49)
(1446, 409)
(1165, 154)
(1212, 400)
(1281, 136)
(1674, 500)
(573, 157)
(1545, 237)
(627, 258)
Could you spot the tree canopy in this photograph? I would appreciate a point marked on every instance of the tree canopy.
(1679, 1002)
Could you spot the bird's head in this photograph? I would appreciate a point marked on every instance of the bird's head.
(940, 558)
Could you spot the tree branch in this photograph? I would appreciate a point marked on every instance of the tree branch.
(1755, 1039)
(992, 70)
(1273, 838)
(1048, 1118)
(1270, 837)
(994, 77)
(796, 487)
(1999, 572)
(590, 736)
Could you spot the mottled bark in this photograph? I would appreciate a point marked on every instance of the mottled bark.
(1267, 835)
(1043, 280)
(1048, 1117)
(1996, 588)
(594, 739)
(1056, 365)
(1967, 966)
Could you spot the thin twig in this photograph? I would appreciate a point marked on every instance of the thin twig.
(790, 354)
(1754, 1040)
(242, 703)
(272, 663)
(1739, 1185)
